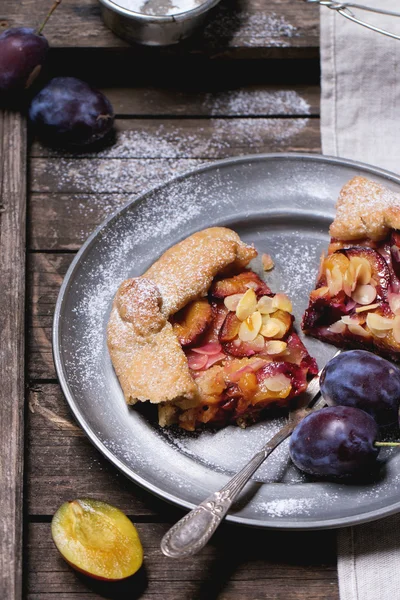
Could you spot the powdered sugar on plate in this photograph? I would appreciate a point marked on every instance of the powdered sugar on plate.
(272, 203)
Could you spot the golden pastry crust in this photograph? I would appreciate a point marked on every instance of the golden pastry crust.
(146, 354)
(365, 209)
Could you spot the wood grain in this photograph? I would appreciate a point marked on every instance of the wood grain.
(236, 28)
(235, 98)
(237, 564)
(12, 300)
(63, 464)
(45, 275)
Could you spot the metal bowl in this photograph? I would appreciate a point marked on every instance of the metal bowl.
(152, 30)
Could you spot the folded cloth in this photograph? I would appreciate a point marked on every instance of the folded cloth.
(360, 120)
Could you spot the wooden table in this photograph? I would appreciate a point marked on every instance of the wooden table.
(249, 83)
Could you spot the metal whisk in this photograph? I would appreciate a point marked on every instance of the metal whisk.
(344, 9)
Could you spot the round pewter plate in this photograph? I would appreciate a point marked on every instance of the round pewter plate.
(283, 203)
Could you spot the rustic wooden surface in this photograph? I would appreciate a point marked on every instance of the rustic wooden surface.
(12, 323)
(237, 28)
(248, 84)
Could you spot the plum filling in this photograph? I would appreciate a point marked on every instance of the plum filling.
(356, 301)
(241, 351)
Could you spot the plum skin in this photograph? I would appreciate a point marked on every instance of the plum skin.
(363, 380)
(22, 54)
(69, 111)
(335, 442)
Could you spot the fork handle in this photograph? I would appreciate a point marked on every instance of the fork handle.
(189, 535)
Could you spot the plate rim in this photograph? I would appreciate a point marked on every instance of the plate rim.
(281, 523)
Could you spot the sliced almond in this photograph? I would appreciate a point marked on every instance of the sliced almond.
(349, 320)
(267, 262)
(357, 329)
(379, 323)
(360, 309)
(277, 383)
(258, 343)
(396, 328)
(251, 285)
(349, 281)
(265, 305)
(246, 305)
(362, 269)
(364, 294)
(282, 302)
(394, 303)
(337, 327)
(320, 292)
(379, 333)
(276, 347)
(334, 280)
(271, 328)
(231, 302)
(249, 329)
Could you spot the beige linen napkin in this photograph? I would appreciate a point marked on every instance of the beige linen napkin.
(360, 120)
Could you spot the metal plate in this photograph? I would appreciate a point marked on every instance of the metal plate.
(283, 204)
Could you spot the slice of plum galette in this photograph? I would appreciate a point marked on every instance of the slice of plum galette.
(356, 301)
(204, 337)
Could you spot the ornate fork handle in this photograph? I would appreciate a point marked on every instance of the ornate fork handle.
(192, 532)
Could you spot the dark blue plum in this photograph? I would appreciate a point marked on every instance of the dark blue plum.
(68, 111)
(22, 54)
(336, 441)
(363, 380)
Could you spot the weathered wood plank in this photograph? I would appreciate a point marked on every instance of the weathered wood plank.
(147, 152)
(183, 139)
(238, 563)
(243, 28)
(202, 99)
(12, 317)
(62, 464)
(45, 275)
(216, 96)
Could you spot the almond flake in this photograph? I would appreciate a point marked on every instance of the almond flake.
(379, 323)
(267, 262)
(250, 328)
(364, 294)
(282, 302)
(277, 383)
(368, 307)
(276, 347)
(265, 305)
(337, 327)
(396, 329)
(357, 329)
(231, 302)
(247, 305)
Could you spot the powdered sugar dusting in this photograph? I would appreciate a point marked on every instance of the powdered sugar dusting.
(191, 466)
(253, 102)
(254, 29)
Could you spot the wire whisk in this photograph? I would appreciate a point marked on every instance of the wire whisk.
(344, 9)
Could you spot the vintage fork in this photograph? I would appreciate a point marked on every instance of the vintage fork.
(189, 535)
(344, 9)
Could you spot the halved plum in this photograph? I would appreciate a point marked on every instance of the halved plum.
(192, 321)
(97, 539)
(239, 284)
